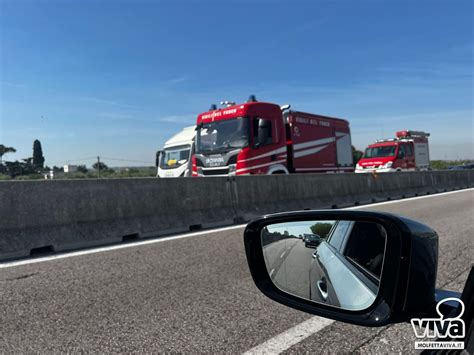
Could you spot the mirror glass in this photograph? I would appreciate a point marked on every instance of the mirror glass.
(337, 263)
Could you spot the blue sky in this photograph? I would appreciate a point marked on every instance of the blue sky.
(117, 78)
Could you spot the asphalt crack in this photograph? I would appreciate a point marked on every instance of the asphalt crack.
(22, 277)
(371, 338)
(457, 276)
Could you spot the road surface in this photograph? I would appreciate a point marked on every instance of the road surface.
(288, 262)
(195, 294)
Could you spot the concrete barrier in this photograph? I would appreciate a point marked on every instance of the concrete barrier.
(68, 214)
(256, 196)
(59, 215)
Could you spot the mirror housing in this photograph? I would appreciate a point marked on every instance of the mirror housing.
(407, 284)
(158, 157)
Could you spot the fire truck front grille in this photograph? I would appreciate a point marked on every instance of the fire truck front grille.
(215, 171)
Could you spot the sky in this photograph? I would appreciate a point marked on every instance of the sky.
(118, 78)
(296, 228)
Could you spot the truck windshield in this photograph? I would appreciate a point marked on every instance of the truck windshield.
(174, 156)
(222, 136)
(382, 151)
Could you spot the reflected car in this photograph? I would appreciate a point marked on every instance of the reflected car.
(468, 166)
(312, 240)
(345, 270)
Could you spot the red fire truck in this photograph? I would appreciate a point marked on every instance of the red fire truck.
(409, 151)
(264, 138)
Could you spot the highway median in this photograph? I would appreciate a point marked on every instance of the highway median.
(61, 215)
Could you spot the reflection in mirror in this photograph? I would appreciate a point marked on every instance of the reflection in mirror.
(337, 263)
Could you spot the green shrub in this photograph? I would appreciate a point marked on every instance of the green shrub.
(29, 177)
(445, 164)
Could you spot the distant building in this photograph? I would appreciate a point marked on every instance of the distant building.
(70, 168)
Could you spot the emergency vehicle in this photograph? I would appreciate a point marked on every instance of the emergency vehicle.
(264, 138)
(409, 151)
(175, 158)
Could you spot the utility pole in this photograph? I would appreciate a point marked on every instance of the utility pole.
(98, 166)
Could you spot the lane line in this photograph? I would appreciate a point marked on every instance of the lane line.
(290, 337)
(408, 199)
(64, 255)
(115, 247)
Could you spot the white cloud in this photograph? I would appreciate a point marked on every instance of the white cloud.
(115, 115)
(177, 80)
(109, 102)
(188, 119)
(13, 85)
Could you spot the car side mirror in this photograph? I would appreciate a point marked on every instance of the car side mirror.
(368, 269)
(157, 158)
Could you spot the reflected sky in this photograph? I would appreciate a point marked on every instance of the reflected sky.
(295, 228)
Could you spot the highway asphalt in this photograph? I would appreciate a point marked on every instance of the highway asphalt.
(288, 262)
(196, 295)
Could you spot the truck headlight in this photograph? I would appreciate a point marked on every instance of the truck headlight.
(232, 168)
(388, 165)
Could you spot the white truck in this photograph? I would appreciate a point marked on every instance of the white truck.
(175, 158)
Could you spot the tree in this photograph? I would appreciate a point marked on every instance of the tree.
(16, 168)
(13, 168)
(322, 229)
(38, 158)
(27, 166)
(356, 154)
(4, 150)
(82, 169)
(100, 165)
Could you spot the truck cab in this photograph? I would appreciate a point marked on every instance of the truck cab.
(387, 157)
(257, 138)
(228, 139)
(407, 152)
(175, 158)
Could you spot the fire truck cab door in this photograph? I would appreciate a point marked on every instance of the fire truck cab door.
(410, 152)
(402, 157)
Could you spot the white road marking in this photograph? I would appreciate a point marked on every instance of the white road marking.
(282, 255)
(115, 247)
(271, 272)
(188, 235)
(290, 337)
(408, 199)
